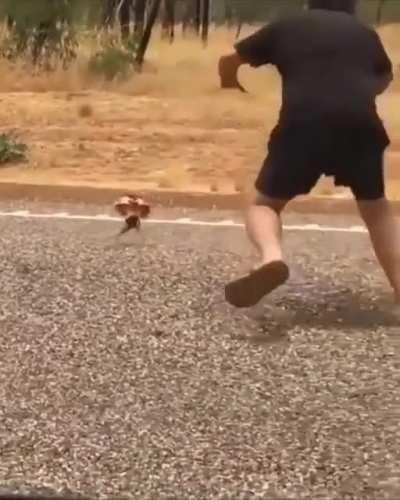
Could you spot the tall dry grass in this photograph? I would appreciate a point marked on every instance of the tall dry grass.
(187, 71)
(182, 69)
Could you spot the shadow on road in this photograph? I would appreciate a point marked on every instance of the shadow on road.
(334, 312)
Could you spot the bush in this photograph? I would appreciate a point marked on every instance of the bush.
(46, 45)
(114, 60)
(42, 30)
(11, 151)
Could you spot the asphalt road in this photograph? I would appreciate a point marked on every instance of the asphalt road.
(124, 374)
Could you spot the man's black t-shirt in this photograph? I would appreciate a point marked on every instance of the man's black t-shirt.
(331, 64)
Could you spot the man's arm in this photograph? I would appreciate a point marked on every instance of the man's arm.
(255, 50)
(383, 68)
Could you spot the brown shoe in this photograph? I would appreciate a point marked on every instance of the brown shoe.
(250, 289)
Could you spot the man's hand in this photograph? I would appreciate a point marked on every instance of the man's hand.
(228, 68)
(382, 82)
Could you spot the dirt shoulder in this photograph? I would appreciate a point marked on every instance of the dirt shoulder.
(176, 199)
(202, 149)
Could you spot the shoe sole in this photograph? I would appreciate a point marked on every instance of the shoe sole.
(249, 290)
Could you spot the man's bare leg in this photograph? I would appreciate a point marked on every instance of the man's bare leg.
(264, 227)
(384, 230)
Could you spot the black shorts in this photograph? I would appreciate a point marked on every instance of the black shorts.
(299, 154)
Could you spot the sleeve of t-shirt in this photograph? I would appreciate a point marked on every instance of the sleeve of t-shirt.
(258, 49)
(381, 61)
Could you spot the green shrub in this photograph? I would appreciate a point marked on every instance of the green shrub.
(11, 151)
(113, 60)
(45, 46)
(42, 30)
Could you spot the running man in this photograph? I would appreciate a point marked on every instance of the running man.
(332, 68)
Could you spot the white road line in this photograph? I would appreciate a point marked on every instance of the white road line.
(25, 214)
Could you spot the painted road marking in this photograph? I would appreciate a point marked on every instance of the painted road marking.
(25, 214)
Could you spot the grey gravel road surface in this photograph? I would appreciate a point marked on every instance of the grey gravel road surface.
(123, 374)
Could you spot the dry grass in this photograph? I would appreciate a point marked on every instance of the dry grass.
(169, 127)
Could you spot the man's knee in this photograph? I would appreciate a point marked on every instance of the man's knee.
(373, 211)
(275, 204)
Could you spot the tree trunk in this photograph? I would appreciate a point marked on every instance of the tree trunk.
(228, 13)
(10, 23)
(168, 21)
(197, 16)
(205, 21)
(140, 9)
(379, 13)
(192, 16)
(186, 18)
(144, 42)
(125, 18)
(239, 28)
(108, 13)
(40, 38)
